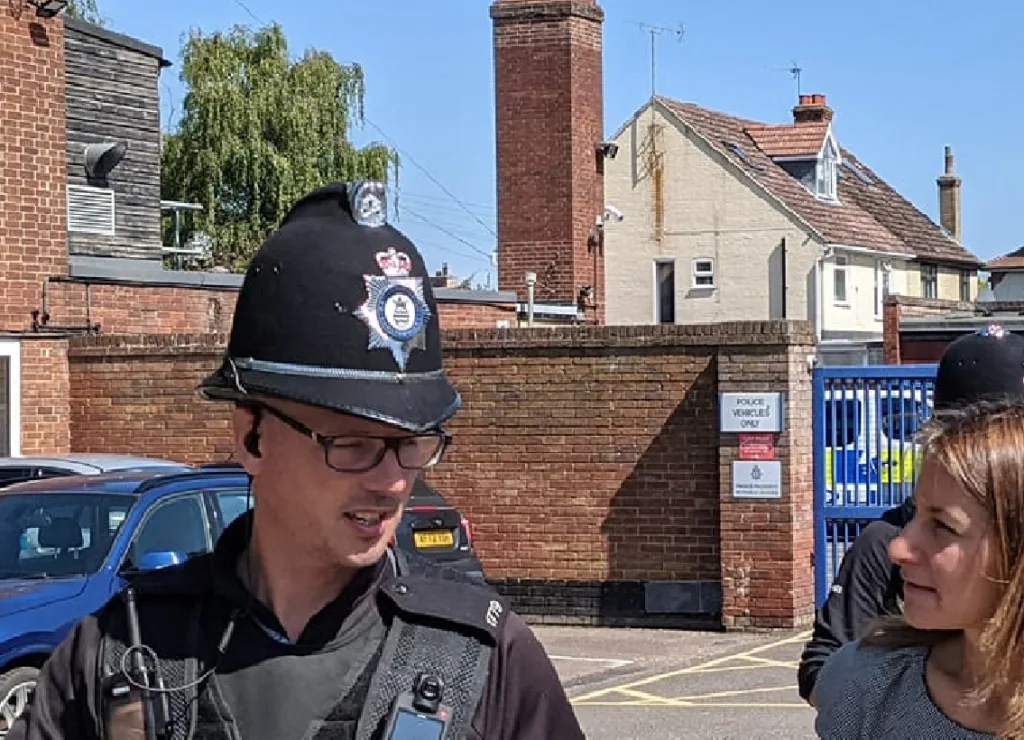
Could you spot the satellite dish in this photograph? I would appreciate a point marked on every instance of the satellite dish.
(101, 159)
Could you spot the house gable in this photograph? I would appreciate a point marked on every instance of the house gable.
(861, 211)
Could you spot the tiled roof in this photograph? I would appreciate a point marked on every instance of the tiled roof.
(804, 140)
(1012, 261)
(869, 212)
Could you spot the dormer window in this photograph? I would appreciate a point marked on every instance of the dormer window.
(827, 171)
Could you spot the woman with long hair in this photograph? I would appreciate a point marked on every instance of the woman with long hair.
(952, 665)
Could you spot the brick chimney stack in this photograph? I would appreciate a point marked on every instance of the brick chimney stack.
(812, 109)
(549, 126)
(949, 198)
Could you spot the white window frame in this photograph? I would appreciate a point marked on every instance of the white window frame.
(703, 273)
(966, 277)
(934, 269)
(12, 349)
(841, 267)
(826, 183)
(827, 177)
(656, 313)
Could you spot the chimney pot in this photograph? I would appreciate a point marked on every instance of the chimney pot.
(950, 160)
(812, 109)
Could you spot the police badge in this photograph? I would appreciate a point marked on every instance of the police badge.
(395, 309)
(368, 201)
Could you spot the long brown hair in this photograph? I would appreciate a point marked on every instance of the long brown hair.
(982, 446)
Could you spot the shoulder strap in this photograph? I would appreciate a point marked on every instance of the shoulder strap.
(442, 622)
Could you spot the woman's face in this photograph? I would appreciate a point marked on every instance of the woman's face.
(945, 554)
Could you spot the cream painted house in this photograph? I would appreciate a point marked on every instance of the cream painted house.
(714, 218)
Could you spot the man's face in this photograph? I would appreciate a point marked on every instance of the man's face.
(328, 518)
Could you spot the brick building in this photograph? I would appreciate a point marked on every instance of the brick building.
(588, 457)
(80, 237)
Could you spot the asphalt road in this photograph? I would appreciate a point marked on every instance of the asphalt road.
(652, 684)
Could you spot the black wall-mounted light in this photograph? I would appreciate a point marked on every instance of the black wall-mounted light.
(48, 8)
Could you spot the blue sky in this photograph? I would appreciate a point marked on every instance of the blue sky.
(905, 78)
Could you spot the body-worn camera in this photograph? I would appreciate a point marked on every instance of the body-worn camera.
(419, 714)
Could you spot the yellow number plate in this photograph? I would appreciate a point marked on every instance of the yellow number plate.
(436, 538)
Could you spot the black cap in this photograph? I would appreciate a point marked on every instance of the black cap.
(985, 364)
(336, 310)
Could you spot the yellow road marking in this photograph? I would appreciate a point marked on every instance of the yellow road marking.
(724, 668)
(770, 663)
(646, 698)
(731, 692)
(700, 667)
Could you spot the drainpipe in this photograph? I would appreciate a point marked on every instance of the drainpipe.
(531, 281)
(819, 293)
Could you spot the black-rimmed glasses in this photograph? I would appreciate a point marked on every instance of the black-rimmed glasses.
(348, 453)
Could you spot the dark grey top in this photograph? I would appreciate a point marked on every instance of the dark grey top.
(874, 694)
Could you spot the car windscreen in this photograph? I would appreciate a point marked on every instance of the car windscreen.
(56, 535)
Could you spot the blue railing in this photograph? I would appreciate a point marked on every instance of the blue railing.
(866, 461)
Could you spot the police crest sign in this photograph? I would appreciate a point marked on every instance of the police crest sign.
(395, 309)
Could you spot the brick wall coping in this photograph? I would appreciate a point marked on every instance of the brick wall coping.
(150, 274)
(132, 345)
(733, 333)
(940, 303)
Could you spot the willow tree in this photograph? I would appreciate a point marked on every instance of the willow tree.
(86, 10)
(257, 131)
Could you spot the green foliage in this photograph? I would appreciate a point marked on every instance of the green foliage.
(259, 130)
(86, 10)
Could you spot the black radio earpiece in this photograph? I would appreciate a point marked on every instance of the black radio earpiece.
(252, 438)
(252, 443)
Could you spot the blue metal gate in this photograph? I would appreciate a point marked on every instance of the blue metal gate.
(865, 456)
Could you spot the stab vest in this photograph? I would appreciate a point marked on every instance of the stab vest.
(437, 620)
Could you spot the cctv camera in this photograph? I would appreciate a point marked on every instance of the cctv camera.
(608, 149)
(612, 213)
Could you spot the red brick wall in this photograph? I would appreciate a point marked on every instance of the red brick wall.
(33, 204)
(476, 315)
(767, 546)
(136, 394)
(45, 397)
(903, 347)
(141, 309)
(549, 119)
(33, 207)
(568, 455)
(588, 459)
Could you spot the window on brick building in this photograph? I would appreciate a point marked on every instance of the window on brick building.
(965, 285)
(839, 294)
(881, 286)
(929, 281)
(665, 291)
(703, 272)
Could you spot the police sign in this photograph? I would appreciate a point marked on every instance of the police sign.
(750, 412)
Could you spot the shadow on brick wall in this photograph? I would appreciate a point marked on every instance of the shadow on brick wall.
(662, 527)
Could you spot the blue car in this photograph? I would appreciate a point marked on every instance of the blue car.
(65, 543)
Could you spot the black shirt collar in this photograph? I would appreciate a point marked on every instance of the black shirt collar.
(324, 625)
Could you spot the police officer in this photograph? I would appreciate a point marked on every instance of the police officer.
(304, 622)
(984, 364)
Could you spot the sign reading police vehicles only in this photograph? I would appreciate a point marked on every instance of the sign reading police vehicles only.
(750, 412)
